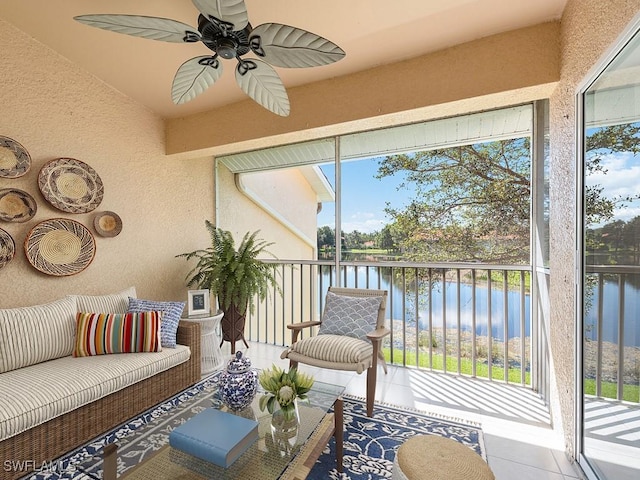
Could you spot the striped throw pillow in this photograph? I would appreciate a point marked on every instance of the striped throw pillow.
(103, 333)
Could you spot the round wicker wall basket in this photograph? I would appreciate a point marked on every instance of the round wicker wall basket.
(7, 248)
(107, 224)
(16, 205)
(15, 161)
(60, 247)
(70, 185)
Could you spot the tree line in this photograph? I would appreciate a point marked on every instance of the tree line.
(472, 203)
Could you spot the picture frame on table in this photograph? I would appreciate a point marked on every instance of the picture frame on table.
(198, 303)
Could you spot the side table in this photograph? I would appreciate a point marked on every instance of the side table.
(211, 352)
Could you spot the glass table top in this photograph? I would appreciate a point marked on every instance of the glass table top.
(143, 450)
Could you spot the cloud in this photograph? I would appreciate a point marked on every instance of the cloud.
(363, 222)
(621, 175)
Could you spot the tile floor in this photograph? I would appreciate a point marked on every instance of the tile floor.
(519, 442)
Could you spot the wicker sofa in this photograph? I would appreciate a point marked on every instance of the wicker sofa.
(43, 416)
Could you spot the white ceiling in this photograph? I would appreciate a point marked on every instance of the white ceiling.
(371, 32)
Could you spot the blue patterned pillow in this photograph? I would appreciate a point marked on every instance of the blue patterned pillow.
(350, 316)
(171, 313)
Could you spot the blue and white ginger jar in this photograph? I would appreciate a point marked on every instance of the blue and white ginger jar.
(239, 383)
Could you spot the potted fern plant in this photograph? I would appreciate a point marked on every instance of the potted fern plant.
(234, 275)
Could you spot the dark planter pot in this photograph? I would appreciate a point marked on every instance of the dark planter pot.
(233, 327)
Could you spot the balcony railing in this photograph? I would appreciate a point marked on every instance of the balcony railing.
(612, 332)
(464, 319)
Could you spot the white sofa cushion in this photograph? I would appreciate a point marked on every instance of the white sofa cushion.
(32, 395)
(111, 303)
(30, 335)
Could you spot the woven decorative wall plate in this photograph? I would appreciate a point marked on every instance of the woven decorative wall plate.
(70, 185)
(16, 205)
(7, 248)
(107, 224)
(60, 247)
(15, 161)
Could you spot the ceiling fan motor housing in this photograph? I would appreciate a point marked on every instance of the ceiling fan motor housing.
(218, 36)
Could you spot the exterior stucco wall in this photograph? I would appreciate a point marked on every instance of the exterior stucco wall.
(54, 109)
(589, 28)
(285, 192)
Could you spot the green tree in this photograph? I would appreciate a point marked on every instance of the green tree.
(326, 237)
(353, 240)
(384, 239)
(612, 234)
(471, 202)
(631, 235)
(599, 209)
(600, 142)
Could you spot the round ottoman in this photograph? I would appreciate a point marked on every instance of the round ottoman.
(437, 458)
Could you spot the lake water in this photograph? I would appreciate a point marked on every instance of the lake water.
(611, 314)
(441, 304)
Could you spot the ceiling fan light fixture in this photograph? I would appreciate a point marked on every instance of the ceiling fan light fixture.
(226, 43)
(224, 28)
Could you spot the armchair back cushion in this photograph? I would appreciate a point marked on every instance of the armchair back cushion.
(349, 316)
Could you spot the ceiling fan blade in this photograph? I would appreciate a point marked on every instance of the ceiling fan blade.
(233, 12)
(261, 82)
(194, 77)
(154, 28)
(285, 46)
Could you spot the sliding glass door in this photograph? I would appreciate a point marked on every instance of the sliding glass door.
(609, 361)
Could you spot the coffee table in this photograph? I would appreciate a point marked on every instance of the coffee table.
(276, 454)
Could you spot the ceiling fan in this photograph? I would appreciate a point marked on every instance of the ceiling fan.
(223, 26)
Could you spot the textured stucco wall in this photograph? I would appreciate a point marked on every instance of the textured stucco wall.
(239, 214)
(589, 28)
(519, 61)
(54, 109)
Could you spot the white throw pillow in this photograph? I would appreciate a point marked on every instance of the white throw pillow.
(112, 303)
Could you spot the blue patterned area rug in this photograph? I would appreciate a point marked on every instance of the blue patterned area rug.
(369, 443)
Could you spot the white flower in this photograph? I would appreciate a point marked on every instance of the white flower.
(285, 395)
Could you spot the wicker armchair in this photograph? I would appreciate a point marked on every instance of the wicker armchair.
(339, 346)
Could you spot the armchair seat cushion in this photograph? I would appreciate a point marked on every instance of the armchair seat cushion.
(333, 351)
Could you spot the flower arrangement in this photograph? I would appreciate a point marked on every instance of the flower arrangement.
(283, 388)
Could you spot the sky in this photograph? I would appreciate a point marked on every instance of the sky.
(364, 197)
(621, 179)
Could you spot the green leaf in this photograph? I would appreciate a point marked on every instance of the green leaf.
(271, 403)
(263, 401)
(235, 276)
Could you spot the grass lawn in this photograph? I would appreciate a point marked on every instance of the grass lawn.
(466, 366)
(630, 393)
